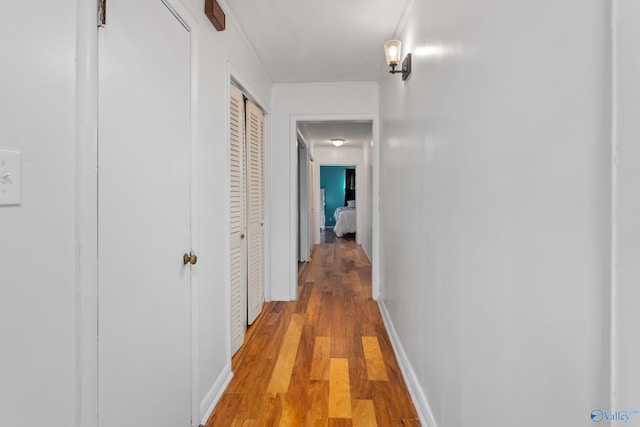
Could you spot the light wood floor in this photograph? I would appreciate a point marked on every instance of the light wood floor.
(324, 360)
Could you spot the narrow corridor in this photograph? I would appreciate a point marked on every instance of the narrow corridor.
(324, 360)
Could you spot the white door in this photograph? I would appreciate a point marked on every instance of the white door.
(303, 204)
(144, 321)
(237, 182)
(255, 209)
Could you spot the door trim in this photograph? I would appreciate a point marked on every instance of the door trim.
(86, 211)
(293, 190)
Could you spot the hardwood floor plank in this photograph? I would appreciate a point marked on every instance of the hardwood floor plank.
(318, 403)
(225, 411)
(270, 411)
(303, 298)
(364, 414)
(245, 423)
(339, 389)
(373, 357)
(338, 333)
(291, 411)
(325, 315)
(340, 422)
(313, 307)
(390, 404)
(284, 365)
(321, 359)
(303, 271)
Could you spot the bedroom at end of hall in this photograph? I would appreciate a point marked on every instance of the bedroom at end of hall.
(338, 199)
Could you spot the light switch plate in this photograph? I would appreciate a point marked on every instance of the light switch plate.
(10, 192)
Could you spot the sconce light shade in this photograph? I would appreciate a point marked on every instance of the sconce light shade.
(392, 50)
(337, 142)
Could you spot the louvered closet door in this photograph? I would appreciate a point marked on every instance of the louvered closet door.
(238, 220)
(255, 209)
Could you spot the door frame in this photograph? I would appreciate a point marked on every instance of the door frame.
(293, 191)
(305, 241)
(86, 210)
(358, 168)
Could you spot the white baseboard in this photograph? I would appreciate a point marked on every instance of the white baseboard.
(416, 391)
(367, 254)
(215, 393)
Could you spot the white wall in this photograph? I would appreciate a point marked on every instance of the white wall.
(291, 102)
(495, 210)
(627, 316)
(37, 238)
(219, 53)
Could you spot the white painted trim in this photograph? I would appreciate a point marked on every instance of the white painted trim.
(369, 257)
(293, 189)
(613, 319)
(358, 165)
(376, 265)
(415, 389)
(404, 18)
(192, 22)
(86, 212)
(245, 87)
(232, 21)
(331, 84)
(304, 218)
(267, 207)
(293, 209)
(214, 394)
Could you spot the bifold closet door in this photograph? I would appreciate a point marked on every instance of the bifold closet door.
(255, 209)
(144, 217)
(237, 178)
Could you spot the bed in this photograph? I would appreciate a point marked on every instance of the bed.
(345, 220)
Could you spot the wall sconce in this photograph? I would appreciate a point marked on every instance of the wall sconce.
(337, 142)
(392, 52)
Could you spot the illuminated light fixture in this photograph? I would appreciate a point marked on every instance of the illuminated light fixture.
(337, 142)
(392, 50)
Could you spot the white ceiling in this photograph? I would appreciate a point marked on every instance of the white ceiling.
(318, 134)
(318, 40)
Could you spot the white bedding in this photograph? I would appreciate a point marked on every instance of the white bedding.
(345, 221)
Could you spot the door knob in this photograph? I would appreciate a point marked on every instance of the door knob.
(242, 236)
(189, 258)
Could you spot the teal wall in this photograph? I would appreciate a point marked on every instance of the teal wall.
(332, 180)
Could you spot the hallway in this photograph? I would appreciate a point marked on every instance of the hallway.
(324, 360)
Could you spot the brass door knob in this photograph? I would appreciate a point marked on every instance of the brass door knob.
(193, 259)
(186, 258)
(242, 236)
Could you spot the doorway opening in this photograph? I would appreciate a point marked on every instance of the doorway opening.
(338, 186)
(351, 189)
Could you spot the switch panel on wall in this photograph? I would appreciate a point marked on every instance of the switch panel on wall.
(9, 178)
